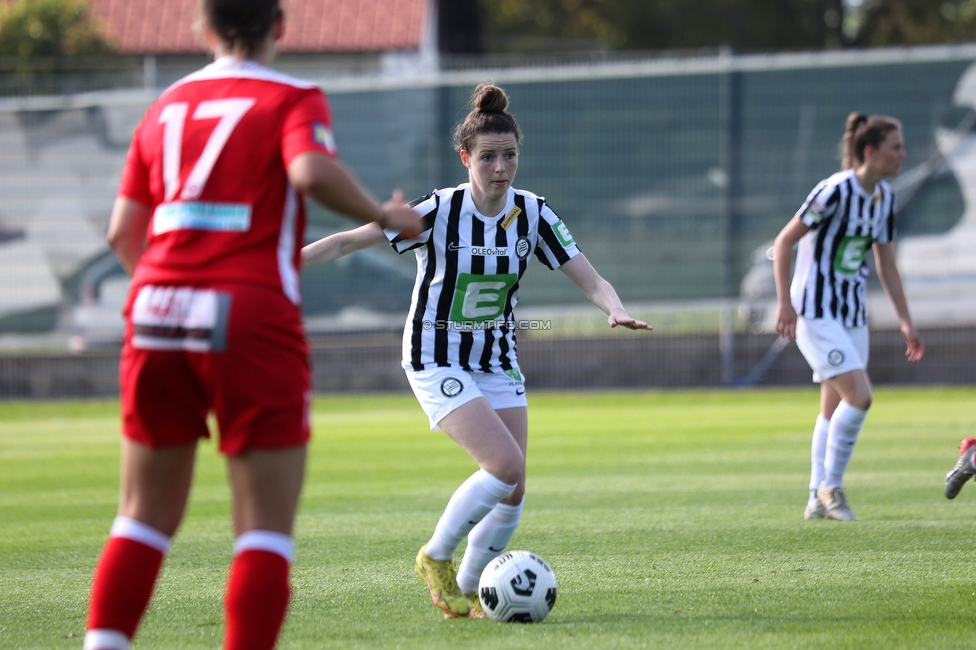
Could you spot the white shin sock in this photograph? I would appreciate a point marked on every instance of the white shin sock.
(845, 425)
(818, 450)
(470, 503)
(485, 542)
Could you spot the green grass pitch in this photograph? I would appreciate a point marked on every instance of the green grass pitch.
(671, 519)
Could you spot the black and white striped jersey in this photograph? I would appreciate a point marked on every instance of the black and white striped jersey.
(468, 272)
(831, 273)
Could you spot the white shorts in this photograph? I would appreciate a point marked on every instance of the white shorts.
(830, 348)
(441, 390)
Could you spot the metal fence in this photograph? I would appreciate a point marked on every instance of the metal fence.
(673, 175)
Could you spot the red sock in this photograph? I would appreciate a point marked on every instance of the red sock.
(965, 445)
(256, 600)
(123, 584)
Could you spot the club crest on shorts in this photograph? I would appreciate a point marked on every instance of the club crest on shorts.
(451, 387)
(835, 357)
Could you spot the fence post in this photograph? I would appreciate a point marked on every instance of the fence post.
(730, 153)
(444, 125)
(149, 72)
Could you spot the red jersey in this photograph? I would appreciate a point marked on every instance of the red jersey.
(210, 159)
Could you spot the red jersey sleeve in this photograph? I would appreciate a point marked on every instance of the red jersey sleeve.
(135, 176)
(308, 127)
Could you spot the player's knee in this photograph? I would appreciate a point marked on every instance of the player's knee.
(516, 496)
(510, 468)
(862, 399)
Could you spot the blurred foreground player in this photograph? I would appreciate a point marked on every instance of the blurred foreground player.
(209, 222)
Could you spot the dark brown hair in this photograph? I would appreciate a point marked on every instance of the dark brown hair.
(241, 23)
(862, 131)
(487, 116)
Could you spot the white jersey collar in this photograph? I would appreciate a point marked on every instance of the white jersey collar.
(469, 205)
(230, 67)
(856, 184)
(230, 63)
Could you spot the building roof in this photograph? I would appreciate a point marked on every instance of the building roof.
(164, 26)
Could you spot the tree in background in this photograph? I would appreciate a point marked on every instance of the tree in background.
(49, 28)
(913, 22)
(743, 25)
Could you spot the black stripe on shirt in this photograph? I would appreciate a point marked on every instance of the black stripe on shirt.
(521, 230)
(485, 360)
(552, 241)
(818, 293)
(832, 200)
(477, 238)
(423, 292)
(451, 241)
(502, 267)
(841, 301)
(891, 218)
(839, 235)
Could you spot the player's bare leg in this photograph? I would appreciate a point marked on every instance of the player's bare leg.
(854, 389)
(155, 488)
(490, 537)
(265, 486)
(478, 429)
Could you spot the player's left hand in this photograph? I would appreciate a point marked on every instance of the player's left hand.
(916, 349)
(620, 318)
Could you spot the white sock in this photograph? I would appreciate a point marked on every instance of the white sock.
(485, 542)
(469, 505)
(105, 640)
(266, 540)
(845, 425)
(818, 450)
(140, 532)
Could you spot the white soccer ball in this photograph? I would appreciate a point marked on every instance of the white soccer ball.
(517, 587)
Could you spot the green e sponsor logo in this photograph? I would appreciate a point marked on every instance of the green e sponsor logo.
(515, 375)
(478, 298)
(850, 254)
(562, 234)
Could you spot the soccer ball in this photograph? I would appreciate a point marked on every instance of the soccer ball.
(517, 587)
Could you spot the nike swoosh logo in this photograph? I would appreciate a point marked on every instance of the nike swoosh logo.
(496, 550)
(454, 247)
(520, 391)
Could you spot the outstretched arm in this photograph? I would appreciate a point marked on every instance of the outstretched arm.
(884, 259)
(343, 243)
(329, 183)
(782, 271)
(600, 292)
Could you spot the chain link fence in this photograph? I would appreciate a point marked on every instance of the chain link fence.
(673, 174)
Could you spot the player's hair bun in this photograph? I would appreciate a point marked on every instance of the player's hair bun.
(489, 98)
(488, 115)
(855, 120)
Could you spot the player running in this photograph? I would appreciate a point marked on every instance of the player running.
(209, 221)
(459, 349)
(825, 307)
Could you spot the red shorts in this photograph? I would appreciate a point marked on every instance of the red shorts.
(237, 350)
